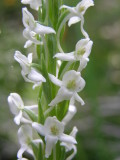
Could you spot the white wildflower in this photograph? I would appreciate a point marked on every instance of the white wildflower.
(17, 108)
(29, 73)
(81, 53)
(78, 11)
(53, 131)
(25, 140)
(71, 83)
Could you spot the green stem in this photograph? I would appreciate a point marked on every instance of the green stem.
(59, 31)
(54, 153)
(46, 50)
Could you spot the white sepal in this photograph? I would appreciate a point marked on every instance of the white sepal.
(28, 19)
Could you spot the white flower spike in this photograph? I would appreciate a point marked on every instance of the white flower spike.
(34, 4)
(53, 131)
(29, 73)
(71, 83)
(25, 140)
(17, 108)
(81, 53)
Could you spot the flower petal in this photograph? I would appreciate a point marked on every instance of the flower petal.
(21, 151)
(24, 133)
(36, 76)
(55, 80)
(25, 121)
(28, 19)
(53, 121)
(40, 29)
(63, 94)
(73, 20)
(17, 118)
(35, 4)
(22, 60)
(50, 143)
(30, 57)
(71, 112)
(68, 139)
(15, 101)
(28, 44)
(65, 56)
(40, 128)
(79, 99)
(31, 107)
(74, 132)
(73, 154)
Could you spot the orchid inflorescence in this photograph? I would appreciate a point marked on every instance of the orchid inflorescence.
(58, 76)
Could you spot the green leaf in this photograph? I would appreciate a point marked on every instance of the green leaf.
(62, 157)
(40, 153)
(40, 112)
(43, 11)
(47, 84)
(52, 50)
(35, 149)
(65, 66)
(31, 114)
(61, 18)
(62, 109)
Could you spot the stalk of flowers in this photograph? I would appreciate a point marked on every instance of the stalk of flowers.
(42, 126)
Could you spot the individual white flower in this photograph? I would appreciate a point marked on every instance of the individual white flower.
(71, 83)
(53, 131)
(29, 73)
(17, 108)
(71, 112)
(30, 23)
(70, 146)
(31, 38)
(25, 139)
(33, 29)
(34, 4)
(78, 11)
(81, 53)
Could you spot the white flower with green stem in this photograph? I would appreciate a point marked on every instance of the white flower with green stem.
(53, 131)
(33, 28)
(81, 53)
(17, 108)
(29, 73)
(25, 137)
(71, 83)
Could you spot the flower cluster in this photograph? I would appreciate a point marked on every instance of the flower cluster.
(42, 125)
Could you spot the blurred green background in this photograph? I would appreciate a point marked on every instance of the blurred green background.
(99, 120)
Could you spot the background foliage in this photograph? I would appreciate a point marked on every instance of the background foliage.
(99, 120)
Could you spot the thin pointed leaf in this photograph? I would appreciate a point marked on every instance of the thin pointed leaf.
(31, 114)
